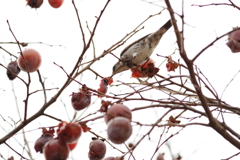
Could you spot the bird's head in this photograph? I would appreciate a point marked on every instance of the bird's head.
(119, 67)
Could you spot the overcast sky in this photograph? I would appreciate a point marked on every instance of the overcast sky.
(60, 27)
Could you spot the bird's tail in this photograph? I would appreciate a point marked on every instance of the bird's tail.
(167, 25)
(156, 36)
(163, 29)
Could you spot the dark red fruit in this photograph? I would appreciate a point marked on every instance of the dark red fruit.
(55, 3)
(160, 156)
(33, 59)
(104, 106)
(119, 130)
(46, 136)
(34, 3)
(118, 110)
(97, 150)
(103, 85)
(81, 99)
(13, 66)
(234, 41)
(69, 132)
(56, 149)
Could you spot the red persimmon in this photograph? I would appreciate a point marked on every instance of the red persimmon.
(55, 3)
(69, 132)
(97, 150)
(46, 136)
(160, 156)
(56, 149)
(40, 142)
(81, 100)
(118, 110)
(119, 130)
(34, 3)
(33, 59)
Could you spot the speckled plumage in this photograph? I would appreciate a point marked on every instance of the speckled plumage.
(140, 51)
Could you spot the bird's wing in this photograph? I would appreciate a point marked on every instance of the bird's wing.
(159, 32)
(130, 45)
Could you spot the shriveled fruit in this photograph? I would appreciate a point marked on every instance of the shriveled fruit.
(69, 132)
(171, 65)
(104, 106)
(34, 3)
(118, 110)
(33, 59)
(46, 136)
(55, 3)
(103, 85)
(13, 66)
(119, 130)
(234, 41)
(147, 69)
(80, 100)
(41, 142)
(97, 150)
(56, 149)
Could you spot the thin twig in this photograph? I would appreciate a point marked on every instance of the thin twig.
(218, 4)
(43, 91)
(43, 86)
(229, 83)
(15, 151)
(25, 44)
(80, 25)
(210, 44)
(212, 121)
(8, 52)
(29, 78)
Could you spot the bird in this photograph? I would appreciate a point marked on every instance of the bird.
(140, 51)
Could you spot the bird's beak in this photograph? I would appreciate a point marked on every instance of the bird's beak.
(112, 75)
(120, 68)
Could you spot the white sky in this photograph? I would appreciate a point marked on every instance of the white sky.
(60, 27)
